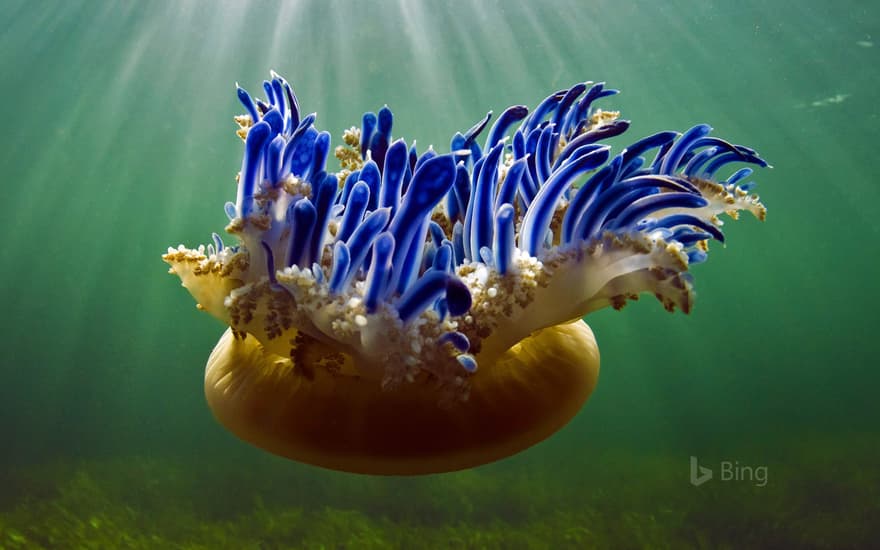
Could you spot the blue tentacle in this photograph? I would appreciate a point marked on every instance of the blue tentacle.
(362, 239)
(504, 237)
(429, 184)
(339, 268)
(392, 175)
(379, 272)
(642, 207)
(323, 198)
(542, 110)
(484, 200)
(674, 220)
(382, 136)
(507, 191)
(603, 132)
(585, 196)
(250, 167)
(670, 161)
(502, 124)
(538, 216)
(373, 178)
(248, 103)
(544, 153)
(368, 126)
(301, 217)
(355, 208)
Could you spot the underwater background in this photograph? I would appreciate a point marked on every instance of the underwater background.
(118, 141)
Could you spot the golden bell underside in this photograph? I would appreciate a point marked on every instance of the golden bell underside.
(351, 424)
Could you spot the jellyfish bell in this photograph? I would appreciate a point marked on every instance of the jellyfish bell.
(348, 422)
(415, 313)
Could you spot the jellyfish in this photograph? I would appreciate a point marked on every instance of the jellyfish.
(422, 312)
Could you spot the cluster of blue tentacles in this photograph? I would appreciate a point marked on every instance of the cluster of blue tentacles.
(384, 209)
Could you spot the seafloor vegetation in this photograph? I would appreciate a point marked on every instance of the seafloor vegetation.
(819, 494)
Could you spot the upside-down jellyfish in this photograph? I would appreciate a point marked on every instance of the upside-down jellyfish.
(422, 312)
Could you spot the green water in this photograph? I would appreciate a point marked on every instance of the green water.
(118, 141)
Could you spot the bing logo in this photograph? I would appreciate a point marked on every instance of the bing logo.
(699, 474)
(729, 471)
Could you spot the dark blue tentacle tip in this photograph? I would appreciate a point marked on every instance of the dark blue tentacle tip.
(458, 340)
(385, 119)
(458, 297)
(468, 362)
